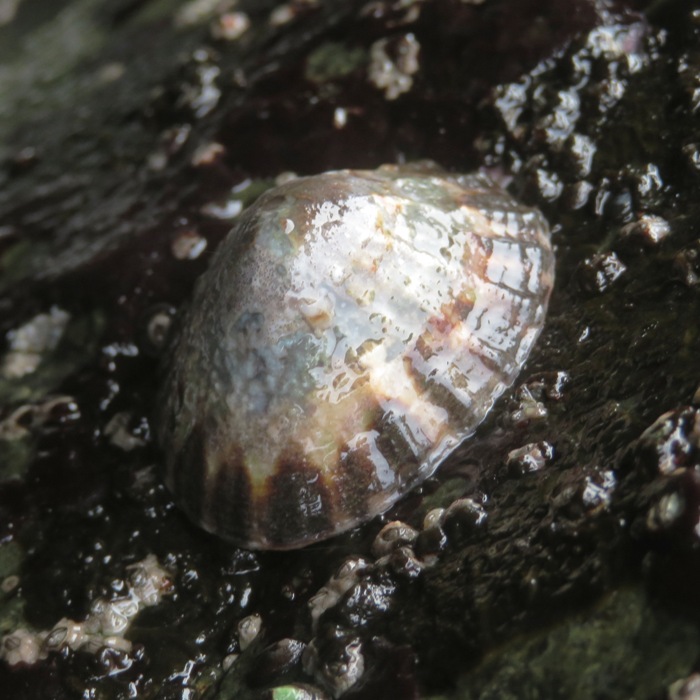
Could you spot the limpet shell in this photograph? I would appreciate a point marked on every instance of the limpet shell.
(352, 329)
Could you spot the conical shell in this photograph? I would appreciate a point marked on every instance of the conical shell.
(353, 328)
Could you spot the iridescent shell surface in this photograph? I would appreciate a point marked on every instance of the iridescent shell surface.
(353, 328)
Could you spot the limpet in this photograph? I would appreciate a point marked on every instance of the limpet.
(352, 329)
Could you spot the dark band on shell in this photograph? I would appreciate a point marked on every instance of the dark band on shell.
(353, 328)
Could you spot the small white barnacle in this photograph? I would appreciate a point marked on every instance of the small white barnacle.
(352, 329)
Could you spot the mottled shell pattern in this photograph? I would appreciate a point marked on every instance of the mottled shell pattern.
(353, 328)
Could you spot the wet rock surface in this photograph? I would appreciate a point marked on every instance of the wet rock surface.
(569, 522)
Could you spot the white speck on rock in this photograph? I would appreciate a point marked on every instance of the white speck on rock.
(340, 117)
(207, 154)
(434, 518)
(229, 661)
(29, 416)
(228, 210)
(8, 10)
(648, 228)
(287, 12)
(393, 63)
(197, 11)
(29, 343)
(281, 15)
(230, 26)
(105, 625)
(188, 245)
(336, 587)
(286, 176)
(9, 583)
(117, 430)
(21, 646)
(248, 629)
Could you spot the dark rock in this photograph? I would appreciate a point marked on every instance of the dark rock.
(119, 174)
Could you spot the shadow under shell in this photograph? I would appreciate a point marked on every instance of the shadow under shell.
(353, 328)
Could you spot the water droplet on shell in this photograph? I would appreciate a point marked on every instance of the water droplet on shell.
(353, 328)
